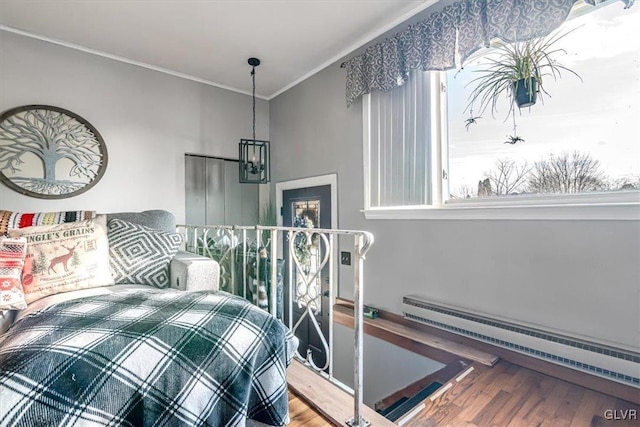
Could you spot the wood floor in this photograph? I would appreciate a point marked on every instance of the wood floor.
(302, 414)
(506, 395)
(333, 403)
(509, 395)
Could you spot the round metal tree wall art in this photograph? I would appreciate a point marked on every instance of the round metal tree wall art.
(49, 152)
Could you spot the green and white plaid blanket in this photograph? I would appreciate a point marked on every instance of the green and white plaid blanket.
(146, 358)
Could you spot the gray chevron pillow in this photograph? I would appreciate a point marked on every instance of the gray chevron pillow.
(139, 254)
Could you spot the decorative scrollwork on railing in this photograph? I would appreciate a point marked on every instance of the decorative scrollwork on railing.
(310, 252)
(240, 254)
(219, 244)
(221, 247)
(309, 356)
(308, 265)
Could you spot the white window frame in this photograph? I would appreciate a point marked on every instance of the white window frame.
(619, 205)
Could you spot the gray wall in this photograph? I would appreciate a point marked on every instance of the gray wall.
(581, 277)
(576, 276)
(148, 120)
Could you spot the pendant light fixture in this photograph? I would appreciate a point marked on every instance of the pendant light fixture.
(254, 154)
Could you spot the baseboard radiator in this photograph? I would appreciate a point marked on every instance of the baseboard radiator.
(616, 364)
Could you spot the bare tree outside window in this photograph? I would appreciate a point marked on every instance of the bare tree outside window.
(463, 192)
(567, 173)
(509, 177)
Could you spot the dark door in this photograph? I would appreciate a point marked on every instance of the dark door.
(308, 208)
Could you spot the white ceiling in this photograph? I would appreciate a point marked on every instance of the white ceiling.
(210, 40)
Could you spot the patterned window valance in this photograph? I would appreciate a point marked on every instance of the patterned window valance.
(446, 38)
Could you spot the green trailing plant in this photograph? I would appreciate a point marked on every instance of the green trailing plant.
(515, 64)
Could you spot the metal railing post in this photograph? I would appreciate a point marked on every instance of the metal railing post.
(332, 298)
(290, 281)
(274, 272)
(244, 263)
(232, 262)
(358, 342)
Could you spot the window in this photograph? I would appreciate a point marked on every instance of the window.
(580, 147)
(400, 145)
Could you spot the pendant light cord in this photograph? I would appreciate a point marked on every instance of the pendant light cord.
(253, 95)
(254, 154)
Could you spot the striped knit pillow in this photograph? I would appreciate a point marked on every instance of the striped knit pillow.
(12, 254)
(10, 220)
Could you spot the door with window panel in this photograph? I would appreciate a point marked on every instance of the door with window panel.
(308, 208)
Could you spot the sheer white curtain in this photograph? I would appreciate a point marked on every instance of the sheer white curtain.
(399, 146)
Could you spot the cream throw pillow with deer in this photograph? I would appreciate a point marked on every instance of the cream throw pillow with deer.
(65, 257)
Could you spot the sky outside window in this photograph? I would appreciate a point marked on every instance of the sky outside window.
(599, 115)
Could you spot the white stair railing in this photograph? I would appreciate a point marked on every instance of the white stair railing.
(245, 254)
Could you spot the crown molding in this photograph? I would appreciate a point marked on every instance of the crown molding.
(125, 60)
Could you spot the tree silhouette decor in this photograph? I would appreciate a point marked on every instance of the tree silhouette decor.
(49, 152)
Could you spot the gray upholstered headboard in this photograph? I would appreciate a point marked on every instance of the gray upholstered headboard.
(156, 219)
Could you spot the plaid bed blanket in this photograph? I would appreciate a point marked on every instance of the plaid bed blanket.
(150, 358)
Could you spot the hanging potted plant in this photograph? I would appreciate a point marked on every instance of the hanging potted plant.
(518, 71)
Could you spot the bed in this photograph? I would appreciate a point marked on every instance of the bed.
(133, 355)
